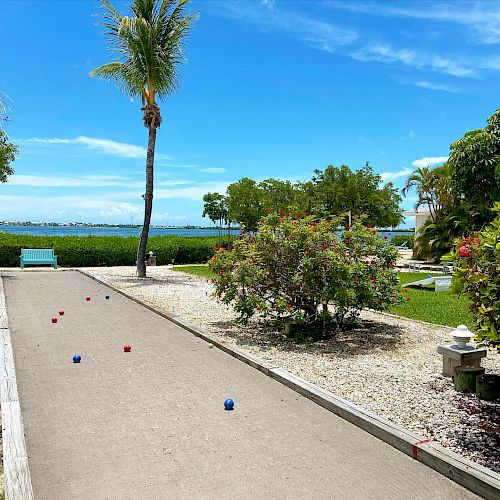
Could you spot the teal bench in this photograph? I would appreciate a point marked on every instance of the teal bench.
(38, 256)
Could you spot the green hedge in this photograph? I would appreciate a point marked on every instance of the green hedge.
(399, 239)
(93, 251)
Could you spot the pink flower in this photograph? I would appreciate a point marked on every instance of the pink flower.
(463, 251)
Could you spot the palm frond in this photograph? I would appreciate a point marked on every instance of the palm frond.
(147, 47)
(4, 109)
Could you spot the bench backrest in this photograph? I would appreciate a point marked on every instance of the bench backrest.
(37, 253)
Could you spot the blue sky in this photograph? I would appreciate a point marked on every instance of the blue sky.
(269, 89)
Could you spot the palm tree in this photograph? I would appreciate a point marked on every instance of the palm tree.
(433, 186)
(4, 109)
(148, 50)
(422, 180)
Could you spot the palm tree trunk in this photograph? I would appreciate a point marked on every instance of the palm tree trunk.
(148, 204)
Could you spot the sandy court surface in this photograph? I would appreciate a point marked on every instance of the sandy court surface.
(150, 424)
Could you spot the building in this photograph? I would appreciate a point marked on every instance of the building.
(421, 215)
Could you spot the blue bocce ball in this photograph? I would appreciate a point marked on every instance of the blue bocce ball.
(77, 358)
(228, 404)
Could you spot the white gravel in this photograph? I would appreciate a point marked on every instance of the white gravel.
(390, 366)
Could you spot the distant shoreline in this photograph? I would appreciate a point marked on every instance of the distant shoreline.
(153, 226)
(89, 224)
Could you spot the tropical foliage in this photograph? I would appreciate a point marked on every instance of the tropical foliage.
(215, 208)
(148, 50)
(8, 152)
(297, 270)
(4, 109)
(433, 186)
(478, 278)
(437, 237)
(329, 192)
(403, 239)
(460, 193)
(246, 203)
(339, 189)
(475, 165)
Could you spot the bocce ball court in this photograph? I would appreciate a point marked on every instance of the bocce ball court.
(151, 424)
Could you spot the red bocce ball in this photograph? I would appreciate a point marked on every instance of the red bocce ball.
(54, 320)
(127, 347)
(87, 298)
(61, 313)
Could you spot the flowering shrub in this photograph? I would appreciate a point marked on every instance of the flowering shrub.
(478, 277)
(296, 266)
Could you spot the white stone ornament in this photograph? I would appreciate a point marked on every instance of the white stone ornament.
(461, 336)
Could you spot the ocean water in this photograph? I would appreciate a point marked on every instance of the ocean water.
(127, 231)
(103, 231)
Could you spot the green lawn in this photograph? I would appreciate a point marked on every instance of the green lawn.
(441, 308)
(197, 269)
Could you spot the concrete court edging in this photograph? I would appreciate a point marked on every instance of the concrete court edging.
(17, 478)
(480, 480)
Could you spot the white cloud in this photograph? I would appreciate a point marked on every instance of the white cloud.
(382, 52)
(213, 170)
(84, 181)
(481, 18)
(54, 140)
(193, 192)
(98, 177)
(435, 86)
(112, 147)
(321, 34)
(172, 183)
(163, 163)
(23, 207)
(120, 210)
(390, 176)
(106, 146)
(65, 181)
(429, 160)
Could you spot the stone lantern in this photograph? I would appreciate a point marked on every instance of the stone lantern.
(460, 354)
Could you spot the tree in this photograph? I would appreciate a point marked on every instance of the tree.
(215, 208)
(148, 50)
(334, 191)
(433, 187)
(279, 195)
(246, 203)
(461, 192)
(8, 152)
(474, 162)
(339, 189)
(4, 109)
